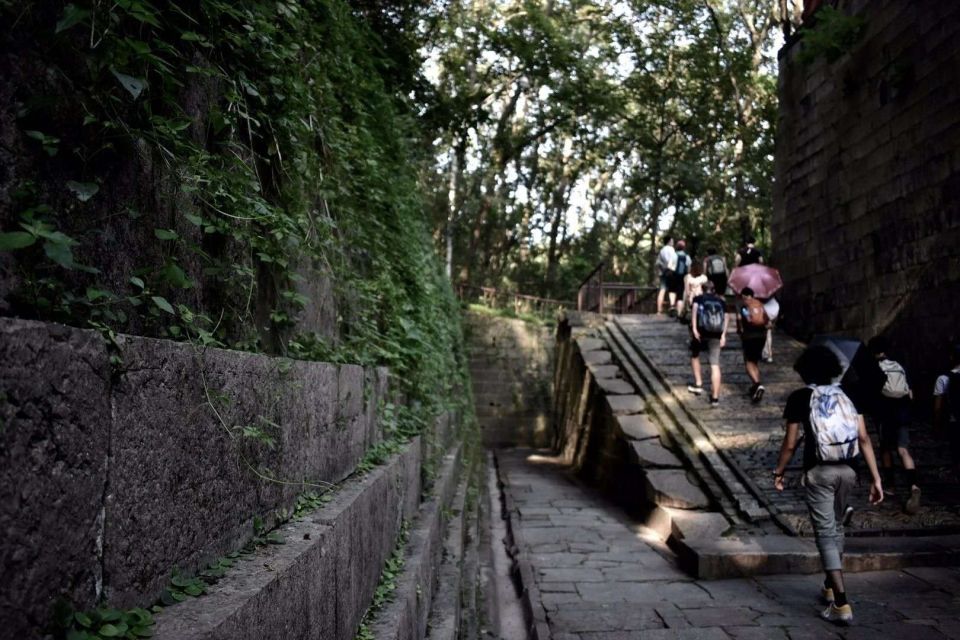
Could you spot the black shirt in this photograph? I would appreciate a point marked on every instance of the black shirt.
(798, 411)
(749, 255)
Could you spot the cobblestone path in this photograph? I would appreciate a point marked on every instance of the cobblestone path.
(600, 577)
(752, 433)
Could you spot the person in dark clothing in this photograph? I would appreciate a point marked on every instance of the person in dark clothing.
(752, 337)
(749, 254)
(893, 419)
(946, 407)
(827, 483)
(715, 268)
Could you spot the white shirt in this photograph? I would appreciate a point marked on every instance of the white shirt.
(667, 258)
(940, 388)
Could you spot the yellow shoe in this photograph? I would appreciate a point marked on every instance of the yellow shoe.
(826, 595)
(841, 615)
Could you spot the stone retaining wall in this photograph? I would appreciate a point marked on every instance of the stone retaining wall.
(866, 221)
(113, 475)
(511, 362)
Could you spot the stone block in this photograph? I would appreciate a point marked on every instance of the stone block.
(625, 405)
(180, 462)
(615, 386)
(638, 426)
(320, 582)
(350, 394)
(672, 488)
(597, 357)
(650, 453)
(590, 344)
(600, 371)
(54, 443)
(697, 525)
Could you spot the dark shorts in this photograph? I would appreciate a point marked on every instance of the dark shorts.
(893, 417)
(753, 346)
(710, 344)
(719, 283)
(675, 283)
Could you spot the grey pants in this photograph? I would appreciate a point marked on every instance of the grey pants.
(828, 487)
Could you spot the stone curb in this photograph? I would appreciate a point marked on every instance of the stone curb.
(444, 620)
(535, 614)
(320, 582)
(405, 617)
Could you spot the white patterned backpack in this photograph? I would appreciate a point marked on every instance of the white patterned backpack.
(835, 423)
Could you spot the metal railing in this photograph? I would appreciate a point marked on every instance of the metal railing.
(614, 297)
(519, 303)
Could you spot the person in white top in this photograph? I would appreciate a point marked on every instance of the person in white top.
(946, 407)
(692, 287)
(666, 266)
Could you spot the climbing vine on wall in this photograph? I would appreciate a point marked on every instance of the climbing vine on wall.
(214, 171)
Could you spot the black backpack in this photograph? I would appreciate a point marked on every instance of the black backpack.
(711, 315)
(681, 263)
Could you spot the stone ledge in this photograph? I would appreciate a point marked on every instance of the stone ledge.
(444, 620)
(768, 555)
(319, 583)
(672, 488)
(405, 618)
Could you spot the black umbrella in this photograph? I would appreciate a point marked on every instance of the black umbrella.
(862, 378)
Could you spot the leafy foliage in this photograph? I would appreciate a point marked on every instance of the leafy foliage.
(277, 136)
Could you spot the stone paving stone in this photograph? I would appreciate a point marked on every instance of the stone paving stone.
(615, 386)
(605, 371)
(597, 357)
(650, 453)
(672, 488)
(638, 427)
(590, 344)
(598, 580)
(711, 633)
(625, 405)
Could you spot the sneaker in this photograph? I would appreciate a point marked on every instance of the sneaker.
(840, 615)
(752, 390)
(714, 403)
(847, 517)
(913, 502)
(695, 389)
(758, 394)
(826, 595)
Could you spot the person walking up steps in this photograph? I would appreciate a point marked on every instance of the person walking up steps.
(752, 323)
(708, 328)
(946, 407)
(667, 266)
(893, 419)
(715, 268)
(834, 435)
(679, 277)
(749, 254)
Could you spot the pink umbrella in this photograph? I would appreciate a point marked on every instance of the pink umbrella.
(765, 281)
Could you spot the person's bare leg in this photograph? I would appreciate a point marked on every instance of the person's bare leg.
(753, 370)
(905, 458)
(715, 380)
(660, 296)
(697, 374)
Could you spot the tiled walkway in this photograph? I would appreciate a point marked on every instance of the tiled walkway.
(600, 577)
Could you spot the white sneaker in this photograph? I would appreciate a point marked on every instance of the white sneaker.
(840, 615)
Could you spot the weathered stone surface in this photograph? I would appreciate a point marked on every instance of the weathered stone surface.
(601, 371)
(177, 450)
(320, 582)
(597, 357)
(697, 525)
(590, 344)
(625, 405)
(615, 386)
(865, 189)
(54, 442)
(511, 371)
(650, 453)
(638, 426)
(405, 618)
(672, 488)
